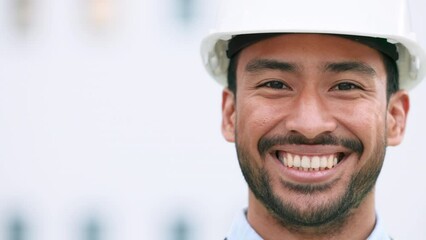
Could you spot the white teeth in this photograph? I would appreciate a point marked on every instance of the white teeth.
(323, 161)
(307, 163)
(315, 162)
(296, 161)
(330, 161)
(289, 160)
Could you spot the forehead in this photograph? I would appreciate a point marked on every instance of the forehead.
(308, 49)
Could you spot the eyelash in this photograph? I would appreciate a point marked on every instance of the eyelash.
(281, 84)
(352, 86)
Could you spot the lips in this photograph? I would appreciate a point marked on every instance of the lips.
(309, 162)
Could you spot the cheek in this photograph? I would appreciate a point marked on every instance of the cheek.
(256, 119)
(366, 121)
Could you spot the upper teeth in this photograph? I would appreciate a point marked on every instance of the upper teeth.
(308, 163)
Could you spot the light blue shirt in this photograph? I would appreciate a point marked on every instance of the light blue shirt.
(241, 230)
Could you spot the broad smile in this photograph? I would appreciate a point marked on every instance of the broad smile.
(310, 162)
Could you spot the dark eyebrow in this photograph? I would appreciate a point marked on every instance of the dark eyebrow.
(257, 65)
(359, 67)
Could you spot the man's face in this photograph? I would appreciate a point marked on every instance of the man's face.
(311, 123)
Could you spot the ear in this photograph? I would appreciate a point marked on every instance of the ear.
(228, 115)
(399, 104)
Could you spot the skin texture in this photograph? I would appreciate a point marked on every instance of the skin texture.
(294, 92)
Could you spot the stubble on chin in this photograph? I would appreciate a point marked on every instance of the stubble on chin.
(324, 219)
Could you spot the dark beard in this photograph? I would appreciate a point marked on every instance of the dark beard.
(326, 218)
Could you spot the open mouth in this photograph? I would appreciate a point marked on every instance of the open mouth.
(309, 163)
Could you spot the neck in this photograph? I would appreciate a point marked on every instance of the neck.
(357, 225)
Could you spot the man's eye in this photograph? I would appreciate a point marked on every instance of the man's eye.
(345, 86)
(275, 85)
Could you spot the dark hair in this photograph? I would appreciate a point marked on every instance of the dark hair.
(392, 76)
(232, 73)
(391, 69)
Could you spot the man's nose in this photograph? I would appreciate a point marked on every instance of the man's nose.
(310, 115)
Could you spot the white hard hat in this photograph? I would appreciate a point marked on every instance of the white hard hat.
(388, 19)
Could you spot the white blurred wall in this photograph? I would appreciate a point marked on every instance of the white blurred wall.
(117, 122)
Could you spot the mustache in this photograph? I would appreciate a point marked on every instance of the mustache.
(265, 143)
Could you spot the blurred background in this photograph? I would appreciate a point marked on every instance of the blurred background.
(110, 127)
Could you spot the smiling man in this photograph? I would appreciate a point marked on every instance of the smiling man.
(312, 101)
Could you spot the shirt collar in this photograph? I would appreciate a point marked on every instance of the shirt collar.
(241, 229)
(378, 232)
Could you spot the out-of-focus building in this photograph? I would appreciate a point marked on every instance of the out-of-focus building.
(110, 127)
